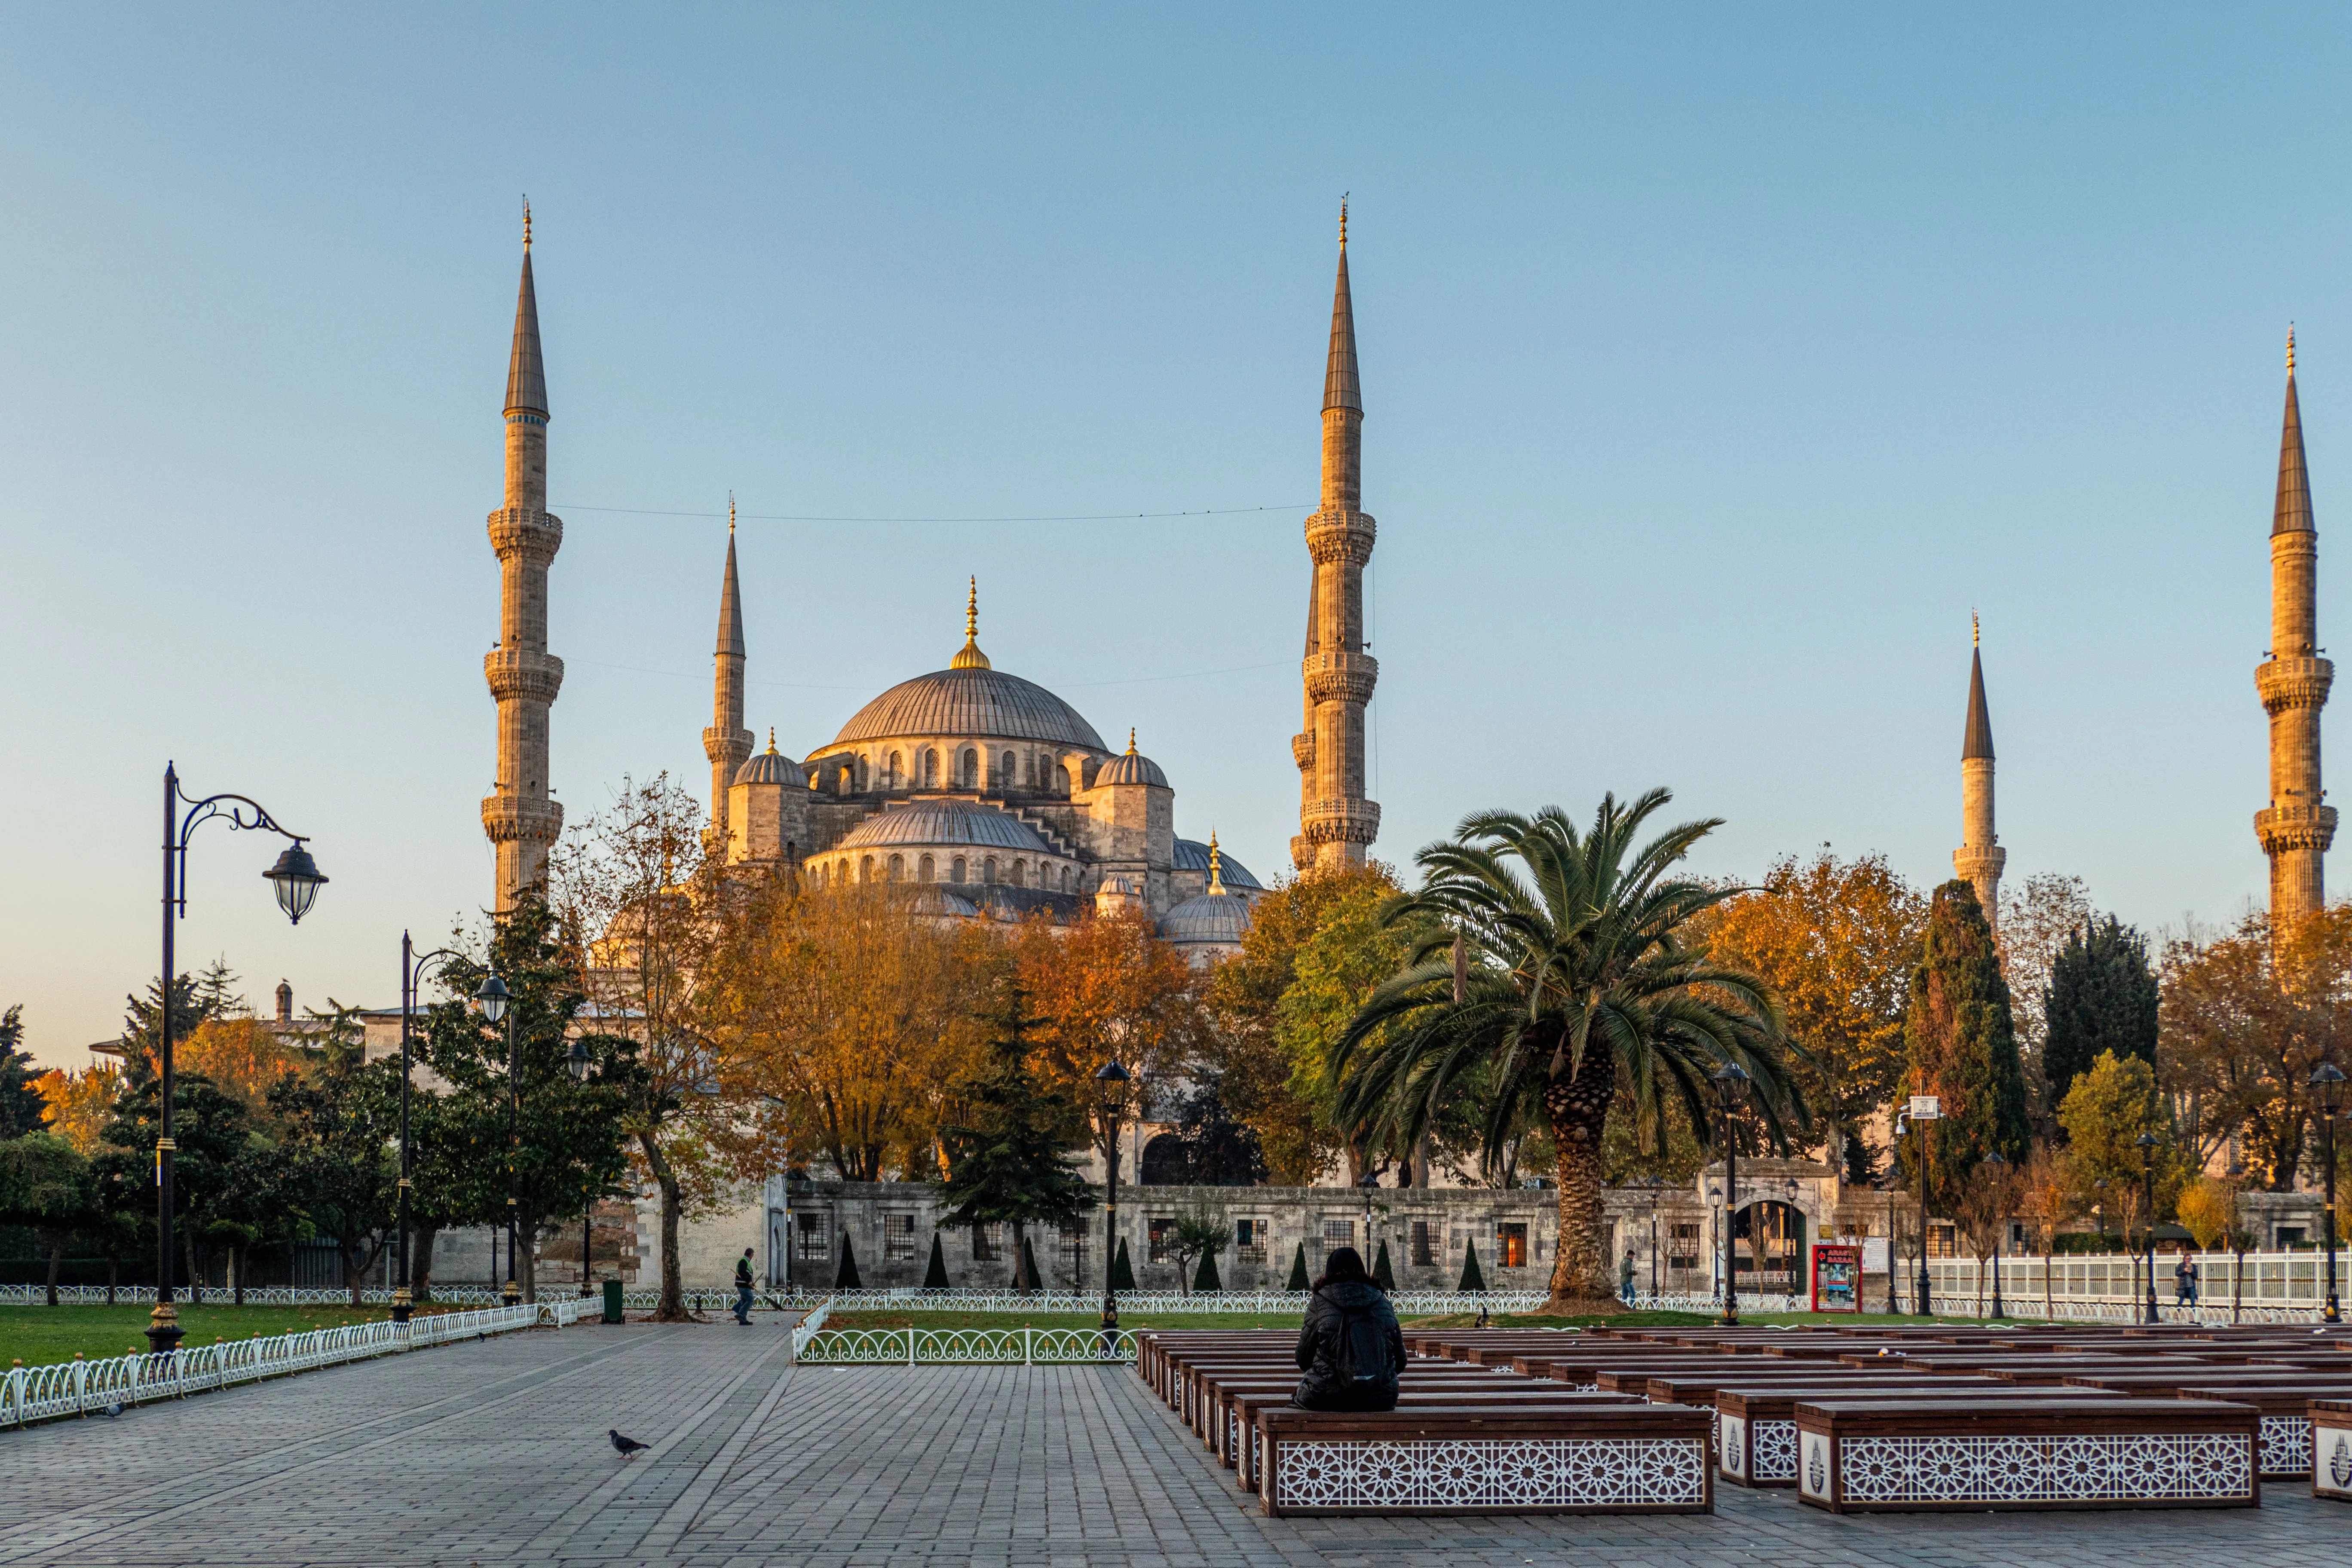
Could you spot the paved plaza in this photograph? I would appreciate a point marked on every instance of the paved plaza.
(494, 1453)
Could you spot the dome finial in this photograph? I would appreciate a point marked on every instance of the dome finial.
(1131, 739)
(969, 656)
(2289, 348)
(772, 740)
(526, 224)
(1343, 220)
(1976, 630)
(731, 514)
(1216, 868)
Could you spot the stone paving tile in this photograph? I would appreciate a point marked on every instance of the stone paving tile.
(495, 1453)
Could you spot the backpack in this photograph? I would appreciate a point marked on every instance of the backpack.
(1363, 1347)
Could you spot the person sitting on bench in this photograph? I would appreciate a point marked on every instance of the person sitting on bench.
(1351, 1347)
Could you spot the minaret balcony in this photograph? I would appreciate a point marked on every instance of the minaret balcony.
(1337, 536)
(514, 672)
(1974, 862)
(1341, 677)
(512, 818)
(734, 746)
(535, 536)
(2287, 683)
(1341, 821)
(1302, 750)
(2295, 826)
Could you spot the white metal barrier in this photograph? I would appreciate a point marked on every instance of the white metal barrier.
(75, 1387)
(2271, 1287)
(1204, 1301)
(965, 1347)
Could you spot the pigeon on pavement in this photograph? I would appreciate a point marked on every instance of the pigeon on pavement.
(113, 1412)
(624, 1446)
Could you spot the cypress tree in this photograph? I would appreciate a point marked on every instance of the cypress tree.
(1962, 1047)
(1205, 1277)
(1122, 1273)
(935, 1278)
(845, 1276)
(20, 1102)
(1471, 1279)
(2102, 997)
(1298, 1279)
(1011, 1165)
(1381, 1274)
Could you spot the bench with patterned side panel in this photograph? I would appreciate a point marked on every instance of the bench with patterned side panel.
(1918, 1455)
(2331, 1448)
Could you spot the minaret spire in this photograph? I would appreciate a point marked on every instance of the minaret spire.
(2298, 825)
(1335, 821)
(727, 742)
(1980, 858)
(519, 819)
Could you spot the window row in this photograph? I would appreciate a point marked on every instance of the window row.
(931, 768)
(986, 871)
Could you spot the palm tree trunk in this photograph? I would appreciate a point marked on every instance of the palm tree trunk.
(1578, 1108)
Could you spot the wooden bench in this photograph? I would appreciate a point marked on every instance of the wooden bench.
(2331, 1448)
(1914, 1456)
(2285, 1451)
(1246, 1445)
(1623, 1459)
(1756, 1432)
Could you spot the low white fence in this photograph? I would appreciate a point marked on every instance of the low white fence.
(2271, 1287)
(1748, 1302)
(77, 1387)
(1420, 1302)
(965, 1347)
(643, 1299)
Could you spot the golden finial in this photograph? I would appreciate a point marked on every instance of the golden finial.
(772, 740)
(969, 656)
(525, 224)
(2289, 348)
(1343, 220)
(1976, 630)
(1131, 739)
(731, 514)
(1216, 872)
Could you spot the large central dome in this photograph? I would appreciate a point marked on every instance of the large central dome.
(976, 701)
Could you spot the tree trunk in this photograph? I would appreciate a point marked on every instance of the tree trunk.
(113, 1269)
(672, 1306)
(526, 1238)
(420, 1264)
(237, 1272)
(1578, 1108)
(57, 1262)
(196, 1274)
(1020, 1257)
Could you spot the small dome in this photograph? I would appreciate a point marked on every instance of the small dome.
(945, 824)
(1191, 855)
(771, 767)
(1130, 769)
(1219, 917)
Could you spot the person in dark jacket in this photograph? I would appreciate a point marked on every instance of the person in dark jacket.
(1349, 1347)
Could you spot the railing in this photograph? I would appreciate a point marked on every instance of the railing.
(76, 1387)
(1205, 1302)
(642, 1299)
(1749, 1301)
(806, 1328)
(2275, 1287)
(965, 1347)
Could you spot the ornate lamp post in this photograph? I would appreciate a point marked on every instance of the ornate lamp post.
(2327, 1088)
(1894, 1303)
(578, 1060)
(1111, 1081)
(2000, 1176)
(296, 880)
(2147, 1142)
(496, 1005)
(411, 978)
(1731, 1084)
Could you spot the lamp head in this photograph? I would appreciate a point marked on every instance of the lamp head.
(2327, 1087)
(2145, 1142)
(493, 996)
(578, 1061)
(298, 881)
(1111, 1072)
(1731, 1085)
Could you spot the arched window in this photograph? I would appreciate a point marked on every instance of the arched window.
(861, 775)
(930, 768)
(1020, 871)
(866, 868)
(988, 870)
(1163, 1163)
(893, 776)
(898, 867)
(970, 768)
(923, 872)
(1068, 879)
(1010, 774)
(791, 851)
(955, 870)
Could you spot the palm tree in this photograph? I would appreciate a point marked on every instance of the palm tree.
(1583, 982)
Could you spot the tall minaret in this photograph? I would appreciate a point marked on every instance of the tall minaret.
(1335, 821)
(1980, 858)
(2295, 831)
(727, 743)
(519, 819)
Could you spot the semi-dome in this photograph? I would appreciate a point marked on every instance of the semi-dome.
(771, 767)
(945, 824)
(974, 700)
(1191, 855)
(1215, 917)
(1130, 769)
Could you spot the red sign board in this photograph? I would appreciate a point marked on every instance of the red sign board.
(1837, 1277)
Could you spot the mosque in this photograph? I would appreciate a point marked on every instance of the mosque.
(991, 794)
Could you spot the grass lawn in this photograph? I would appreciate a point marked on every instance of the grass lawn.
(38, 1334)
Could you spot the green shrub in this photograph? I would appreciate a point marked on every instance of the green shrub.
(935, 1278)
(1205, 1277)
(1298, 1278)
(1381, 1273)
(845, 1276)
(1471, 1279)
(1122, 1273)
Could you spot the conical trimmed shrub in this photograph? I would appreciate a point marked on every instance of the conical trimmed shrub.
(1205, 1277)
(845, 1276)
(1471, 1279)
(1122, 1273)
(1381, 1274)
(935, 1278)
(1029, 1265)
(1298, 1277)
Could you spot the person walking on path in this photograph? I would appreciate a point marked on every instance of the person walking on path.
(2184, 1281)
(743, 1288)
(1349, 1347)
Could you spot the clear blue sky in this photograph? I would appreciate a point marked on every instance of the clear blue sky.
(1716, 362)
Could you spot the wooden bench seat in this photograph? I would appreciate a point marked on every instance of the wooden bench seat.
(1620, 1458)
(1914, 1456)
(1756, 1431)
(2285, 1450)
(1246, 1434)
(1215, 1419)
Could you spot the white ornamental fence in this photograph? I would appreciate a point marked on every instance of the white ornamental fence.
(964, 1347)
(1748, 1302)
(2269, 1288)
(77, 1387)
(1412, 1303)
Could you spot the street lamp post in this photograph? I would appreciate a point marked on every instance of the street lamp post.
(296, 880)
(578, 1061)
(2147, 1142)
(1901, 1125)
(1731, 1084)
(497, 1003)
(2328, 1088)
(2001, 1222)
(1111, 1079)
(411, 978)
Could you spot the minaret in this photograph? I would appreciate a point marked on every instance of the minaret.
(1980, 858)
(727, 742)
(2295, 831)
(1335, 821)
(519, 819)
